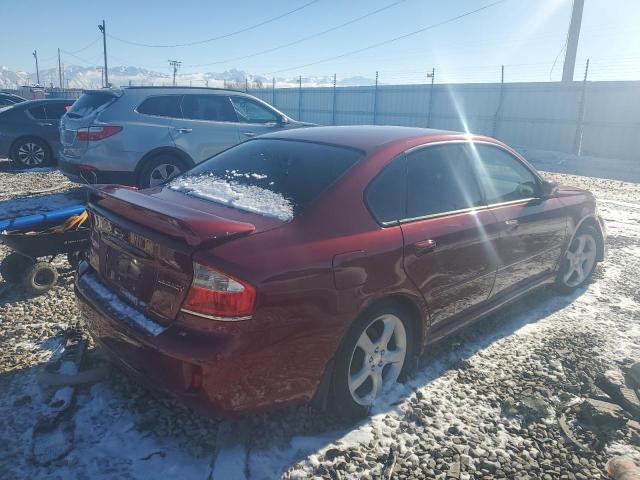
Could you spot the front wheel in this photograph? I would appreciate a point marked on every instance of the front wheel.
(376, 352)
(579, 260)
(31, 153)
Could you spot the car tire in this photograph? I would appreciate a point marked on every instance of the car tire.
(39, 278)
(31, 152)
(160, 169)
(363, 369)
(579, 261)
(14, 266)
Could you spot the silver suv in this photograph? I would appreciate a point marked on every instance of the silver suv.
(144, 136)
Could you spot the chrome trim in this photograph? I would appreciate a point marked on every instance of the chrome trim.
(213, 317)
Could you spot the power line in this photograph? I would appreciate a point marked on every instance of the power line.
(176, 64)
(391, 40)
(303, 39)
(219, 37)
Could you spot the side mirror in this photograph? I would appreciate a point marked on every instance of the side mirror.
(549, 188)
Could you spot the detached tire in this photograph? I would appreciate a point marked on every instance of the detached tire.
(378, 350)
(161, 169)
(31, 152)
(39, 278)
(14, 266)
(579, 261)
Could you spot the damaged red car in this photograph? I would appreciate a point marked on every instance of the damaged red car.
(316, 264)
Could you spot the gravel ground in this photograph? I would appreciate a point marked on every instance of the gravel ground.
(460, 415)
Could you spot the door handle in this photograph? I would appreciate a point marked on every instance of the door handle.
(183, 130)
(45, 124)
(425, 246)
(249, 134)
(511, 225)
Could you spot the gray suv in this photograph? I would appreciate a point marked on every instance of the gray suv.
(144, 136)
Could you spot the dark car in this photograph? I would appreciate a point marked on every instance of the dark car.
(8, 99)
(29, 131)
(318, 263)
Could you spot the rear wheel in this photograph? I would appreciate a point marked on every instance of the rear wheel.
(579, 261)
(376, 352)
(30, 153)
(14, 266)
(39, 278)
(161, 169)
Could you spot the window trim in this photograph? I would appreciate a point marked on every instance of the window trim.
(459, 211)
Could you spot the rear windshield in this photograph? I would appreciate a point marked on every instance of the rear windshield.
(89, 102)
(277, 178)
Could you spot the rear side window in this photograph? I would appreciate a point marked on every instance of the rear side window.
(55, 111)
(440, 179)
(162, 106)
(208, 107)
(89, 103)
(278, 178)
(502, 176)
(38, 112)
(386, 195)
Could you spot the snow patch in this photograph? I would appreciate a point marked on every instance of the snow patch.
(250, 198)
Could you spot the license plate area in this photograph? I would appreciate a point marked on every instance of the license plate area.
(133, 276)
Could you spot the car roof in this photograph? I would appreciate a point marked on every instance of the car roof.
(370, 137)
(177, 88)
(44, 101)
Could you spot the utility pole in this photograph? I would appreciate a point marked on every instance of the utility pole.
(176, 65)
(35, 55)
(103, 29)
(59, 70)
(572, 41)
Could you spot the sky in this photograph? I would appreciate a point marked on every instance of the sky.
(526, 36)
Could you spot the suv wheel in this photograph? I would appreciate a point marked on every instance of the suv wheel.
(30, 153)
(161, 169)
(579, 261)
(376, 352)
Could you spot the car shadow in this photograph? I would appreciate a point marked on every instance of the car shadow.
(306, 434)
(7, 166)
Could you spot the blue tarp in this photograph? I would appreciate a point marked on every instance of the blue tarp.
(18, 223)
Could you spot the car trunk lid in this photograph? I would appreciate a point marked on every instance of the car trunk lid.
(142, 243)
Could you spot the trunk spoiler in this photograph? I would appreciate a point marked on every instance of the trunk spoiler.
(194, 226)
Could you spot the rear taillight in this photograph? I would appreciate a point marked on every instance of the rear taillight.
(216, 295)
(91, 134)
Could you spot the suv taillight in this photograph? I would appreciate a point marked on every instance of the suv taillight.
(214, 294)
(90, 134)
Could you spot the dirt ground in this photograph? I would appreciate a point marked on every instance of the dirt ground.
(483, 404)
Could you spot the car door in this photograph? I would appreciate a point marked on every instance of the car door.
(208, 126)
(254, 118)
(37, 123)
(54, 112)
(533, 228)
(449, 233)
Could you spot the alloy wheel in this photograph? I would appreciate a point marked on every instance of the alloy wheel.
(31, 154)
(580, 258)
(162, 173)
(377, 359)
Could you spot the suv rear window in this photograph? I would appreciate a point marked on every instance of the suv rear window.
(278, 178)
(162, 106)
(90, 102)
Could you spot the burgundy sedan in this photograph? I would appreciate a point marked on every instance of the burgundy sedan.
(316, 264)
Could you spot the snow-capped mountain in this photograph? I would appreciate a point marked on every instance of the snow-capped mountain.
(91, 77)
